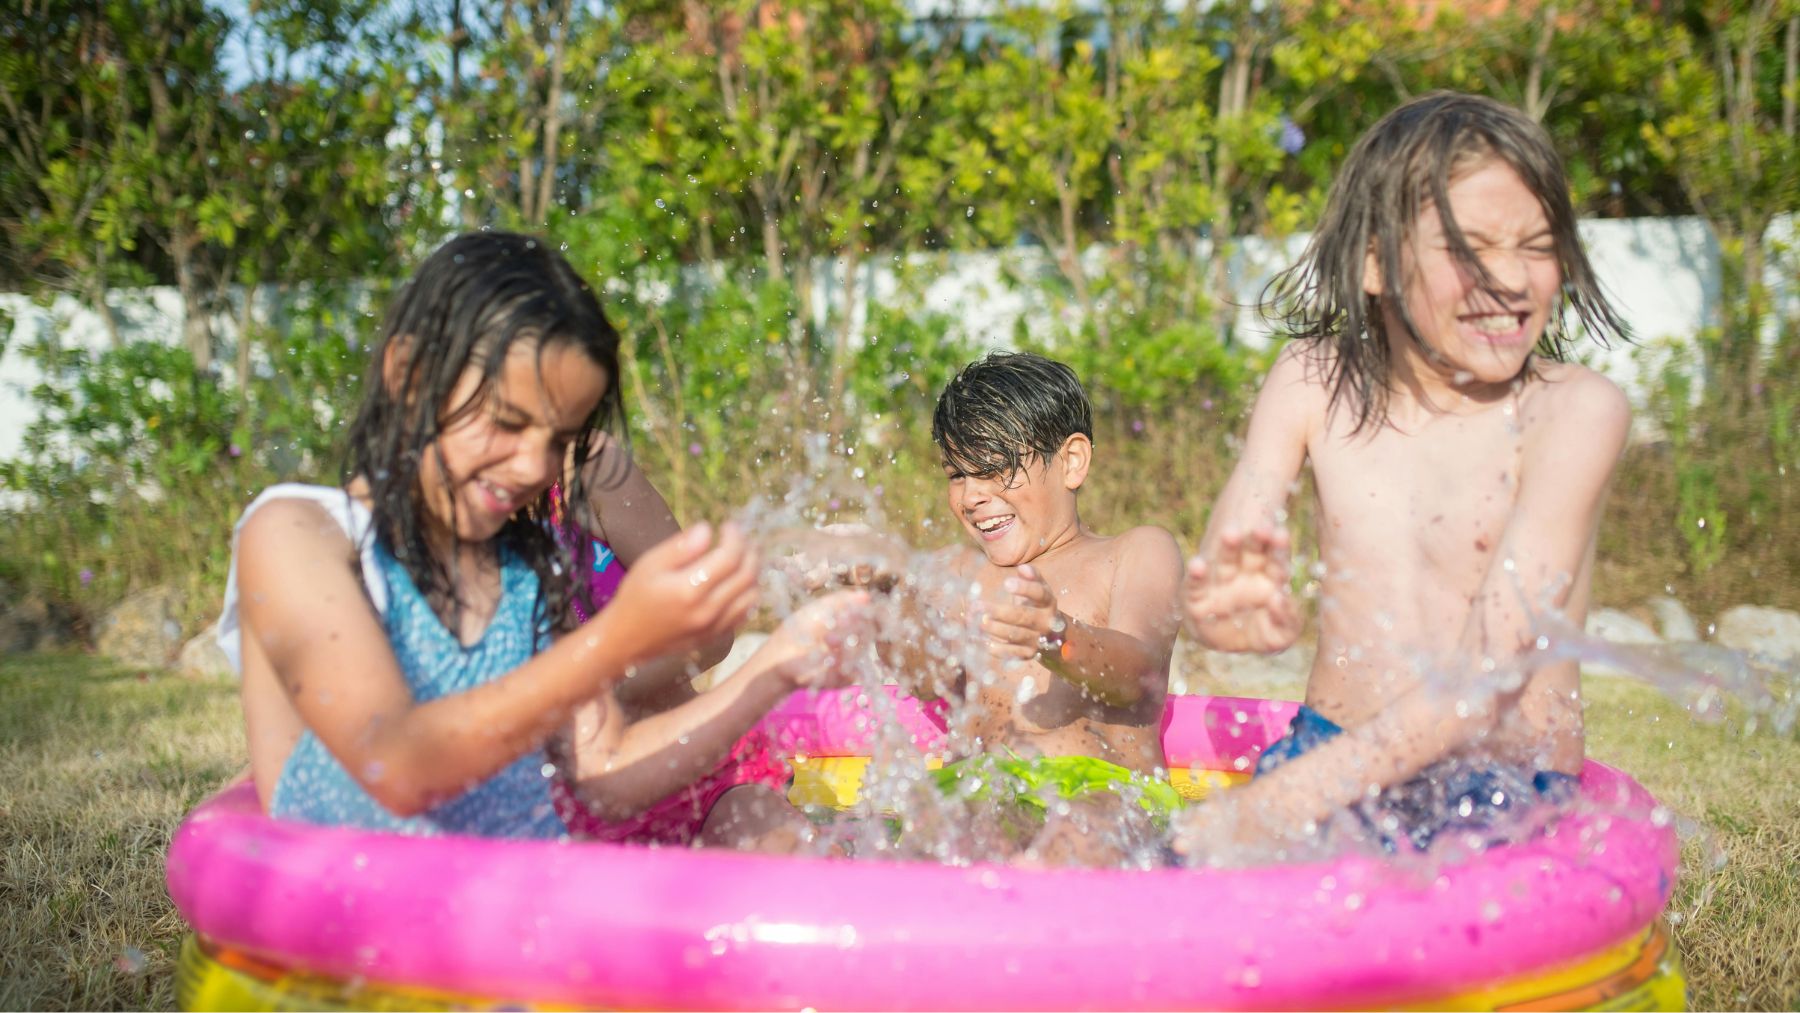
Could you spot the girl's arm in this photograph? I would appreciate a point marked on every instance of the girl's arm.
(619, 767)
(626, 512)
(1542, 563)
(1236, 593)
(305, 607)
(923, 655)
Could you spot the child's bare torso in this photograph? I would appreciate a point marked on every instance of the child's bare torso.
(1411, 517)
(1024, 707)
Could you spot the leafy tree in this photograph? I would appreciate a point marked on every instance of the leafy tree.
(1726, 131)
(68, 214)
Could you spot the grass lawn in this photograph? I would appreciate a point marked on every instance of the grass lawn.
(98, 764)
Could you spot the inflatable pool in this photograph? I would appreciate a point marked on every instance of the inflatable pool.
(291, 916)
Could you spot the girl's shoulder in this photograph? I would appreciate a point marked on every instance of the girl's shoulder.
(325, 521)
(334, 502)
(296, 521)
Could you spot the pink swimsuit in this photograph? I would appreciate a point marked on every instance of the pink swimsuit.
(678, 818)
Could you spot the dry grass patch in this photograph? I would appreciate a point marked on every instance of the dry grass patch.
(1736, 910)
(97, 766)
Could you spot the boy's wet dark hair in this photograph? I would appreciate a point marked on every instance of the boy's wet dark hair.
(1404, 163)
(1007, 409)
(465, 307)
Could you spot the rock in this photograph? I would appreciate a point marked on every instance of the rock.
(142, 630)
(33, 624)
(1611, 626)
(202, 658)
(741, 650)
(1673, 620)
(1772, 633)
(1617, 627)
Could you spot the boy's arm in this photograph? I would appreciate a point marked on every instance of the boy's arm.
(1541, 563)
(1121, 662)
(1236, 595)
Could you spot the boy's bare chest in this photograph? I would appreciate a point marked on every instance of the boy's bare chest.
(1440, 496)
(1081, 584)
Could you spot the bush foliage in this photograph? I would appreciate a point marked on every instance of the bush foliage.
(715, 168)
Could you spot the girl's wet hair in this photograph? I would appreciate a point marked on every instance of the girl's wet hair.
(467, 305)
(1405, 163)
(1006, 409)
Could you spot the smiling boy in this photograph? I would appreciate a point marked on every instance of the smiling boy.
(1079, 625)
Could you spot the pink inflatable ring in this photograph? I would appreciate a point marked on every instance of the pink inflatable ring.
(290, 915)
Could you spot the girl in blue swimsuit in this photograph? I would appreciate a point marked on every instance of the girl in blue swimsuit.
(398, 635)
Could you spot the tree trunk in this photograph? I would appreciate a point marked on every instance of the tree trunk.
(1790, 77)
(97, 296)
(840, 352)
(196, 331)
(1537, 103)
(246, 320)
(537, 206)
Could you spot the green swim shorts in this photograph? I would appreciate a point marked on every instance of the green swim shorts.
(1030, 782)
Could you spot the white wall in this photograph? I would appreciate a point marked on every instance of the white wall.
(1663, 275)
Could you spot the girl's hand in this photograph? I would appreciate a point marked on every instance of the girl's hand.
(813, 647)
(1239, 600)
(1021, 626)
(684, 592)
(849, 555)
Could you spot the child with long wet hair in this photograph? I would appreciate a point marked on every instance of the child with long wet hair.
(481, 295)
(397, 635)
(1460, 465)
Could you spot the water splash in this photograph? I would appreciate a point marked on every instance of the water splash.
(829, 529)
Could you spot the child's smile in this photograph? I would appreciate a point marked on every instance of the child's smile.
(1017, 518)
(1477, 335)
(501, 455)
(992, 529)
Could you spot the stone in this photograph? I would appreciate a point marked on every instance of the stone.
(1611, 626)
(1673, 620)
(142, 630)
(1769, 632)
(203, 658)
(33, 624)
(1616, 627)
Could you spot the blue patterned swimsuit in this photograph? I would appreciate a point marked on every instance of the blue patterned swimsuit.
(316, 788)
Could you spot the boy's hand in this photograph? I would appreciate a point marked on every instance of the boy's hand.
(683, 592)
(1239, 600)
(1022, 625)
(815, 644)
